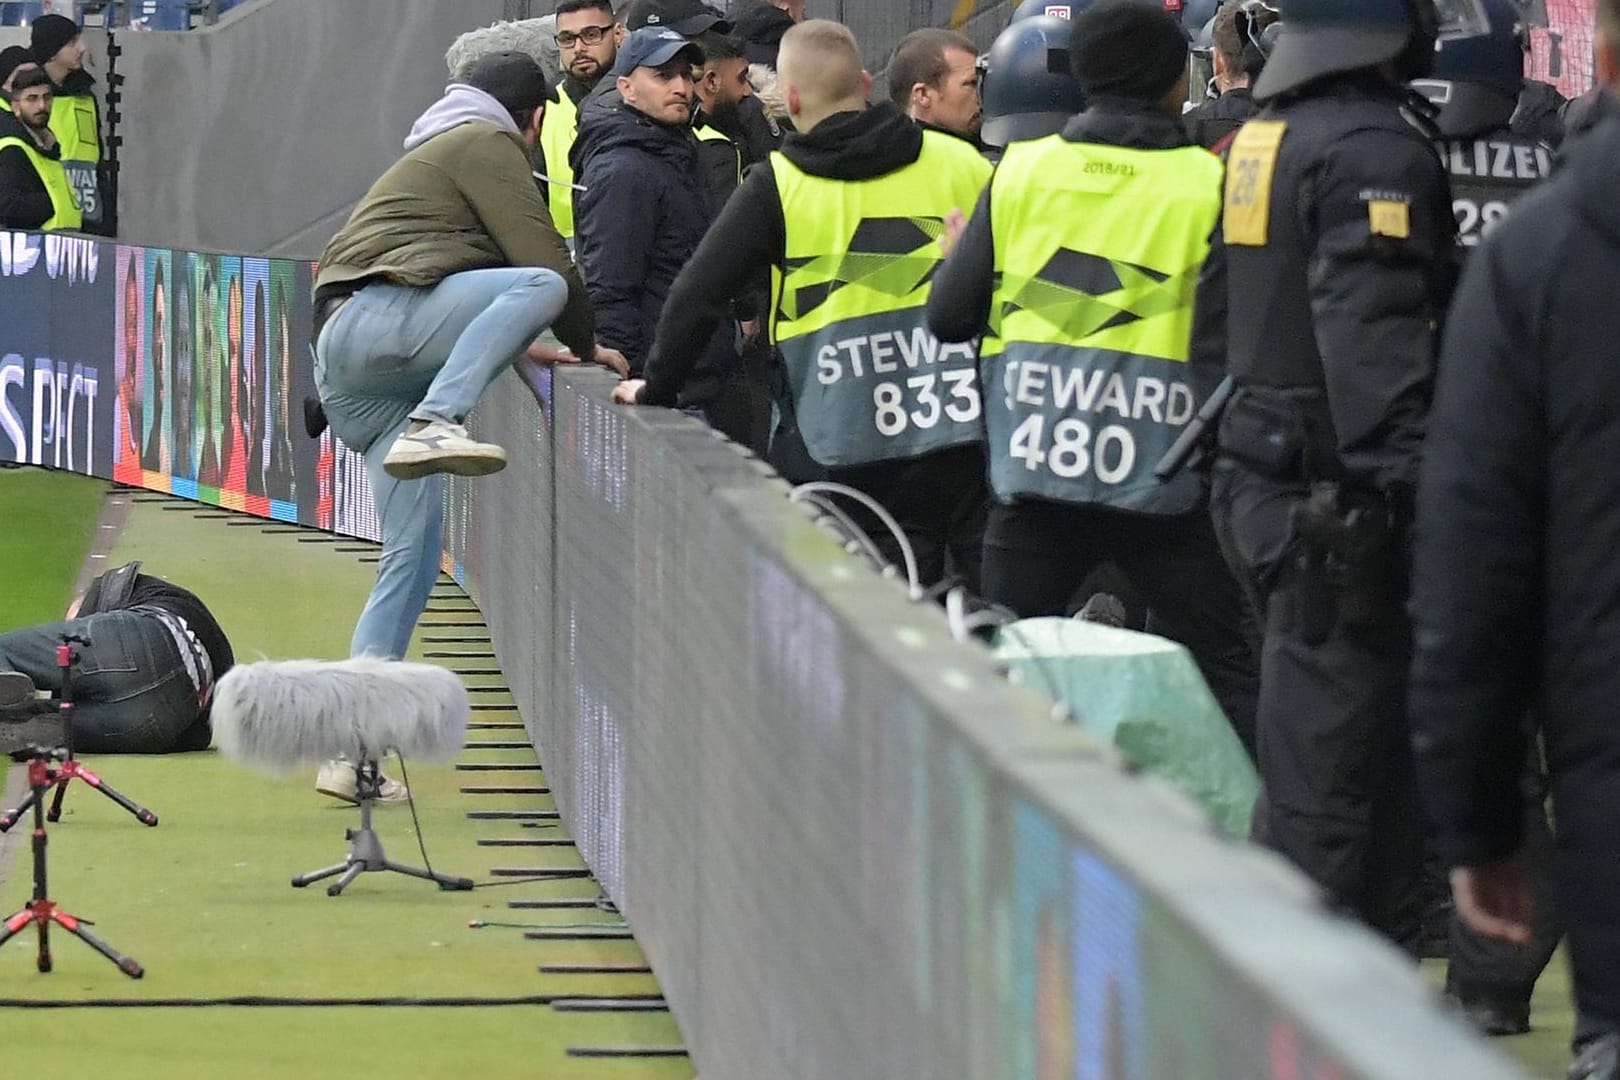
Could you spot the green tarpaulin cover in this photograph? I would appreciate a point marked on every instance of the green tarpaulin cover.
(1144, 695)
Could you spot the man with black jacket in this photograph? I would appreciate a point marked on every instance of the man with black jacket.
(58, 47)
(1515, 581)
(145, 676)
(645, 209)
(1476, 84)
(1071, 300)
(847, 217)
(1240, 47)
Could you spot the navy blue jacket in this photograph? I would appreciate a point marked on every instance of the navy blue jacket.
(638, 221)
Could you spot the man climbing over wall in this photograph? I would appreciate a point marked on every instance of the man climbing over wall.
(445, 274)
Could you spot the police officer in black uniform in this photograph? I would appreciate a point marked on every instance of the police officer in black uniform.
(1240, 40)
(1335, 260)
(1477, 84)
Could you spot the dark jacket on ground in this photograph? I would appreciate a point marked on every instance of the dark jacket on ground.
(153, 592)
(24, 202)
(644, 210)
(750, 236)
(1517, 584)
(1219, 118)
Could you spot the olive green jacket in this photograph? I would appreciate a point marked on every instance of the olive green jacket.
(463, 200)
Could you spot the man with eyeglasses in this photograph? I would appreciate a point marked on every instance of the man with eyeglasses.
(588, 42)
(35, 192)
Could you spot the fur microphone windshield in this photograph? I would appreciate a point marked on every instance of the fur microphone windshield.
(290, 713)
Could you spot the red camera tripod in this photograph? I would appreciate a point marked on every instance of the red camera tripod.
(42, 911)
(53, 767)
(70, 769)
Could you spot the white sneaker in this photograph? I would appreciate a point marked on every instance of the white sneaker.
(339, 779)
(438, 447)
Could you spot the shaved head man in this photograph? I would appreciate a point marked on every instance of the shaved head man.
(821, 72)
(910, 441)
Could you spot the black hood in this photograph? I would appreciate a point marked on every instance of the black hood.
(13, 128)
(857, 145)
(77, 83)
(1595, 160)
(607, 123)
(1132, 125)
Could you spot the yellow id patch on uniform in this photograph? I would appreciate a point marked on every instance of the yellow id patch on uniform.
(1249, 169)
(1386, 217)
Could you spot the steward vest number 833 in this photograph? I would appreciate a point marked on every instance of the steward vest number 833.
(916, 402)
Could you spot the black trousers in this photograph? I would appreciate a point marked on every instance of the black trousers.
(1037, 553)
(1339, 792)
(939, 501)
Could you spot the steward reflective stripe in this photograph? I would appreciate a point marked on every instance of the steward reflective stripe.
(709, 134)
(73, 122)
(55, 178)
(869, 381)
(559, 127)
(1097, 254)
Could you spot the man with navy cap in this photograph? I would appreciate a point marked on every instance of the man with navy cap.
(645, 207)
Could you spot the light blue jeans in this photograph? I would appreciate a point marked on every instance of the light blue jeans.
(394, 354)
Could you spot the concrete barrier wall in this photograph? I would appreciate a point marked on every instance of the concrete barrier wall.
(849, 846)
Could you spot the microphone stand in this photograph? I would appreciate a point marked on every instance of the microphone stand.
(366, 853)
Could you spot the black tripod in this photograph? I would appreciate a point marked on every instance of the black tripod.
(366, 853)
(66, 657)
(42, 911)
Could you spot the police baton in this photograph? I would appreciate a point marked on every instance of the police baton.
(1182, 451)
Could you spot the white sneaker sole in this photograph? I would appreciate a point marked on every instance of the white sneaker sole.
(415, 464)
(340, 796)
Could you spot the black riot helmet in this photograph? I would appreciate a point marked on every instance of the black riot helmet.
(1477, 81)
(1325, 37)
(1028, 88)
